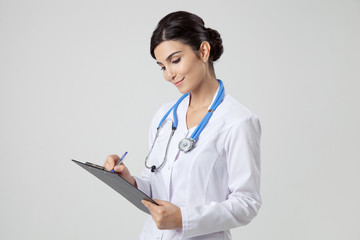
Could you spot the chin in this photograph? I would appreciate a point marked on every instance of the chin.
(183, 89)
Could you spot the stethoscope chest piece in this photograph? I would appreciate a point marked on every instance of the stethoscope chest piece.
(186, 144)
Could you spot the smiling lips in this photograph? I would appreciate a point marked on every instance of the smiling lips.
(179, 82)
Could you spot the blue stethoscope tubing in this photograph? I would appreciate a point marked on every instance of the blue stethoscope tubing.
(187, 143)
(208, 115)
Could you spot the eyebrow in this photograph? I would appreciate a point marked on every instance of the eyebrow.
(167, 59)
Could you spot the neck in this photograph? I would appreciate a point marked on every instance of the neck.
(203, 95)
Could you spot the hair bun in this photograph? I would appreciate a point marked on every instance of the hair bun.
(216, 45)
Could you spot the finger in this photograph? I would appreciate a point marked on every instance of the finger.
(149, 205)
(108, 166)
(155, 210)
(161, 202)
(116, 158)
(110, 161)
(120, 168)
(153, 205)
(146, 203)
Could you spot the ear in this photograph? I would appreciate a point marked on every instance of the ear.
(205, 51)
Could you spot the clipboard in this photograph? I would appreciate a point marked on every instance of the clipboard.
(119, 184)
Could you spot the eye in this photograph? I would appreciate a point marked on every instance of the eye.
(162, 68)
(176, 61)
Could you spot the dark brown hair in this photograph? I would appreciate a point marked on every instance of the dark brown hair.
(190, 30)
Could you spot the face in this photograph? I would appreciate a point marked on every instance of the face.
(180, 65)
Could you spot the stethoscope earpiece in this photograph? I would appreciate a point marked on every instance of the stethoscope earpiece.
(153, 168)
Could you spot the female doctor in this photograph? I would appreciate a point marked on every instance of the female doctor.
(203, 168)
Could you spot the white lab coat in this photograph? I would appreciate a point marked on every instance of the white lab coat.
(216, 184)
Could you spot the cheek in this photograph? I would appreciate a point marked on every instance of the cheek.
(196, 69)
(188, 67)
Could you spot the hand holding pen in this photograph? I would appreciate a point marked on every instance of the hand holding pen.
(113, 164)
(120, 161)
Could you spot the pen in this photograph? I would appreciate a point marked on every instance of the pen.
(120, 161)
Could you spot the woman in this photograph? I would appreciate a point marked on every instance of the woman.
(206, 189)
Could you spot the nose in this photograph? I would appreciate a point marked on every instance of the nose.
(170, 74)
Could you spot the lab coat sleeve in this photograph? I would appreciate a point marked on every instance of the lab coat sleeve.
(242, 151)
(144, 183)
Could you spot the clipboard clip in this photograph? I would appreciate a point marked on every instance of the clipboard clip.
(95, 166)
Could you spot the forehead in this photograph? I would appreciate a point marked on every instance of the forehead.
(165, 48)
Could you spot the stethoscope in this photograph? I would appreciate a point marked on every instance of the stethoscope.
(186, 144)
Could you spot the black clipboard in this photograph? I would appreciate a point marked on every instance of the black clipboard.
(119, 184)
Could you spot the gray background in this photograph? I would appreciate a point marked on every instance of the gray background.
(77, 81)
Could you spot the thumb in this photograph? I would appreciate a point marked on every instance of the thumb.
(119, 168)
(148, 204)
(160, 202)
